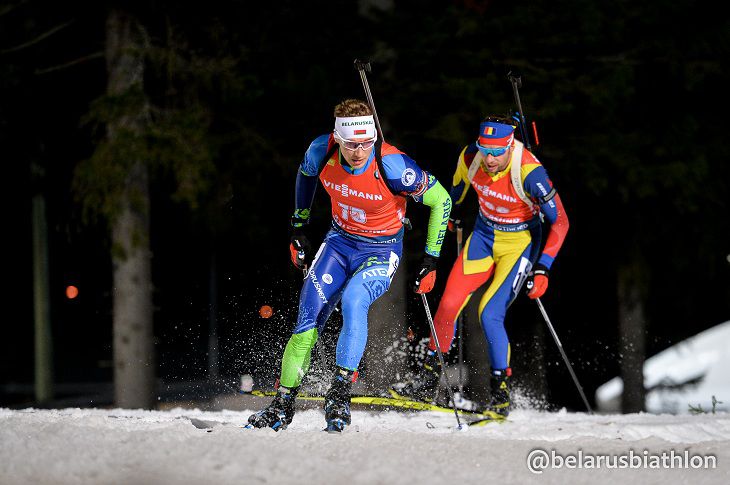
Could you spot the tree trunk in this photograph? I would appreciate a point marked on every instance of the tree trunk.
(42, 301)
(632, 323)
(134, 363)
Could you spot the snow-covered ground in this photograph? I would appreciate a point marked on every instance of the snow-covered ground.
(183, 446)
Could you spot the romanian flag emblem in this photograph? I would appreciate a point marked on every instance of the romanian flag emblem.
(489, 130)
(360, 132)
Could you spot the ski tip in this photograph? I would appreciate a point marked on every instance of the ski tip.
(493, 415)
(486, 421)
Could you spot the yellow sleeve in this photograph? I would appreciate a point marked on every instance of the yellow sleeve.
(460, 183)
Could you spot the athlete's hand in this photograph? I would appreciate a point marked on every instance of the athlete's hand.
(426, 276)
(300, 248)
(455, 224)
(537, 281)
(455, 221)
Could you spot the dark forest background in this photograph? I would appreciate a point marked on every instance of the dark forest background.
(629, 99)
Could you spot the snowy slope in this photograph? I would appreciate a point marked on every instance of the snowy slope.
(688, 373)
(98, 446)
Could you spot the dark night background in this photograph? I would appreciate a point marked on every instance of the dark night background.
(629, 98)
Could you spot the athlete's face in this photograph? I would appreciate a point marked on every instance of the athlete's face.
(358, 157)
(497, 164)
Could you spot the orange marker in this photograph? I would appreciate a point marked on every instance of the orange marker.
(71, 292)
(266, 311)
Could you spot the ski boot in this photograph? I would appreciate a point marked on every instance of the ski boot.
(424, 385)
(337, 401)
(499, 403)
(279, 413)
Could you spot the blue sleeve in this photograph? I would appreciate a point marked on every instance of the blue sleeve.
(306, 185)
(304, 192)
(404, 176)
(456, 192)
(314, 155)
(538, 186)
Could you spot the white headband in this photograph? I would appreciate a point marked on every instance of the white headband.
(351, 127)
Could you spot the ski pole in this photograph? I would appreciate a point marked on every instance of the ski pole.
(361, 67)
(565, 357)
(516, 82)
(441, 358)
(460, 320)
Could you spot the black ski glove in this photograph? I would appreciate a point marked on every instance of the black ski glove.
(299, 246)
(537, 281)
(426, 276)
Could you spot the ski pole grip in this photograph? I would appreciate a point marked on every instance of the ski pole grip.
(362, 65)
(515, 79)
(459, 236)
(516, 82)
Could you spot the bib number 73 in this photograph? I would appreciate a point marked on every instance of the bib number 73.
(352, 213)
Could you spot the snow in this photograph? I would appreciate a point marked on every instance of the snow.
(191, 446)
(686, 374)
(194, 446)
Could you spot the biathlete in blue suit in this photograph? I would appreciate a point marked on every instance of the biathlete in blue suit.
(368, 182)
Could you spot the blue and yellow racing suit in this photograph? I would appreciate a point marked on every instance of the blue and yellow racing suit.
(502, 248)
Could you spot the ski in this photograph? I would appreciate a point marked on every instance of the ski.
(302, 395)
(399, 402)
(490, 417)
(474, 418)
(394, 401)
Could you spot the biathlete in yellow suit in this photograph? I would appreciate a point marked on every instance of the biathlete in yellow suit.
(513, 188)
